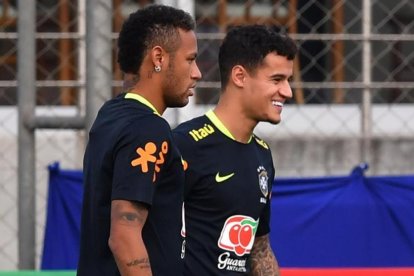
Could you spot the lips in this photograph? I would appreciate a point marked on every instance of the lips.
(191, 89)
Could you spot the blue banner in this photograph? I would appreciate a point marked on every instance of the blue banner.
(62, 233)
(348, 221)
(351, 221)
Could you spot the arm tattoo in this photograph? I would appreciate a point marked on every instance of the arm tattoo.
(263, 261)
(142, 263)
(131, 217)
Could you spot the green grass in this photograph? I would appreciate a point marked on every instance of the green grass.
(38, 273)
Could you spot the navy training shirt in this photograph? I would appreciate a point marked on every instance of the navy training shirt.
(131, 156)
(227, 196)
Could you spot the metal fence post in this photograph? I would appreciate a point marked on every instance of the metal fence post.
(26, 48)
(366, 112)
(98, 57)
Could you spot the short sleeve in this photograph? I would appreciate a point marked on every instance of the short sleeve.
(264, 222)
(142, 148)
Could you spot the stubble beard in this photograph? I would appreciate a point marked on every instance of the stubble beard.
(171, 97)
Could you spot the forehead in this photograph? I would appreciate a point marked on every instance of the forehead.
(275, 64)
(188, 43)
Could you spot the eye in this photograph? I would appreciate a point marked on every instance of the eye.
(191, 59)
(276, 80)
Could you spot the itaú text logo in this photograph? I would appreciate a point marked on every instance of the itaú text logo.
(238, 234)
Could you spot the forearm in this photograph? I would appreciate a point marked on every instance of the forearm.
(132, 259)
(263, 261)
(125, 241)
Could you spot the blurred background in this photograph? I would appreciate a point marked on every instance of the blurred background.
(353, 91)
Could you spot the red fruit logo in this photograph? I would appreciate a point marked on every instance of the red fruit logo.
(238, 234)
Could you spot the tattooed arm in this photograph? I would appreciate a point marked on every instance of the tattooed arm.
(263, 261)
(127, 220)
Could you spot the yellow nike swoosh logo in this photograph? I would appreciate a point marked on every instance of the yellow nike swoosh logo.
(223, 178)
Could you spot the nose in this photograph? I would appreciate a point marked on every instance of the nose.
(286, 91)
(195, 72)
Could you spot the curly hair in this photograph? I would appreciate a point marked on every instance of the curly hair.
(249, 45)
(147, 27)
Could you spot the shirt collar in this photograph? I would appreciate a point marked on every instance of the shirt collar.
(216, 121)
(141, 100)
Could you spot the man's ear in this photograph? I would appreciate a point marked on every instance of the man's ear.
(238, 75)
(157, 56)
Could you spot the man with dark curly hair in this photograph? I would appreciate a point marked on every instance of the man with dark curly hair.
(230, 171)
(133, 172)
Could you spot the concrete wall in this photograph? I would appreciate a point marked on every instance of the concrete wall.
(327, 157)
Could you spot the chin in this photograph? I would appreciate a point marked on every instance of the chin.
(184, 102)
(274, 121)
(181, 103)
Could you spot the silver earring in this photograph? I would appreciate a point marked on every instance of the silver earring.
(157, 68)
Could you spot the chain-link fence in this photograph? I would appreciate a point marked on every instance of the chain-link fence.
(353, 86)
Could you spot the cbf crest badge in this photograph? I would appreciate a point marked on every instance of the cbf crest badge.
(263, 180)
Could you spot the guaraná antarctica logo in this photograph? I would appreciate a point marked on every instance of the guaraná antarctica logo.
(236, 236)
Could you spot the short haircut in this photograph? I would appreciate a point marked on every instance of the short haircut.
(249, 45)
(148, 27)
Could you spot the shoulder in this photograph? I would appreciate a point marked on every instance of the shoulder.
(261, 143)
(144, 129)
(192, 123)
(154, 122)
(151, 124)
(265, 152)
(193, 129)
(193, 136)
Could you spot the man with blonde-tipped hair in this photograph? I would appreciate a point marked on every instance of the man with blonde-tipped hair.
(133, 174)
